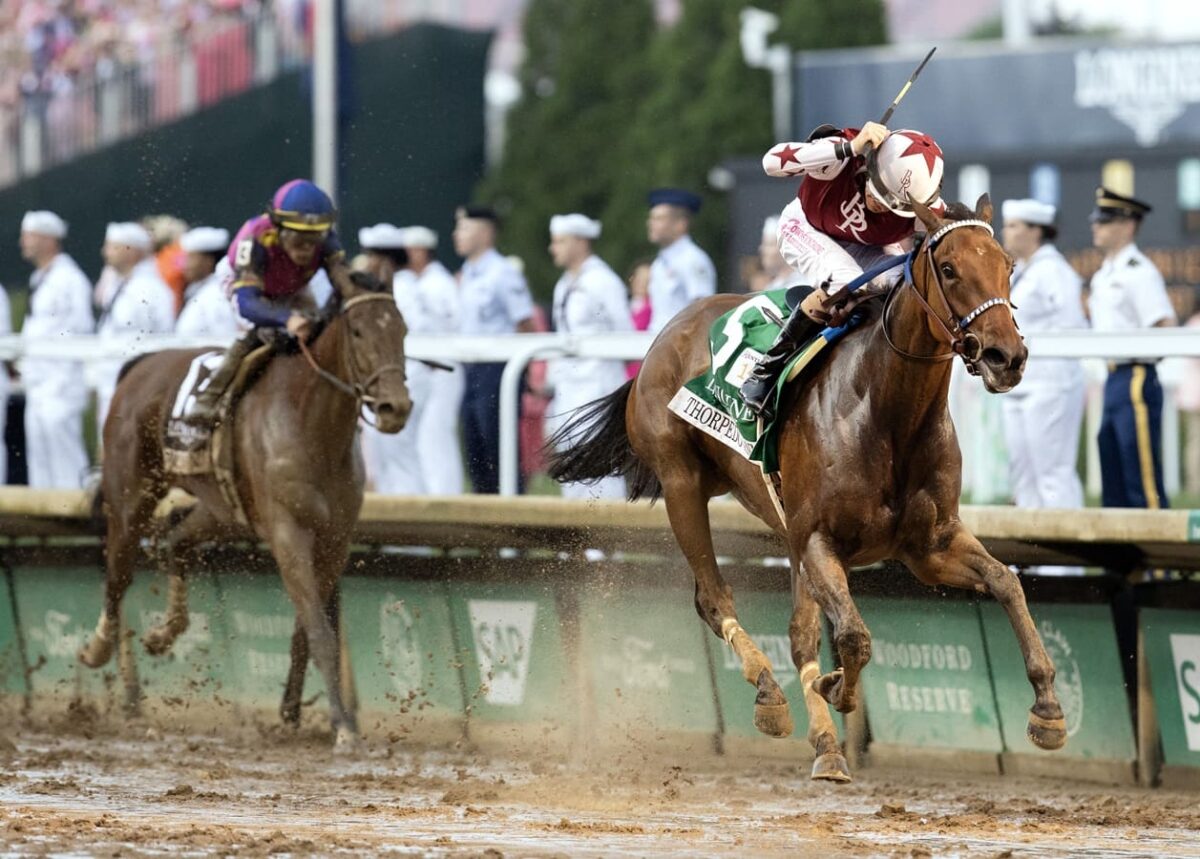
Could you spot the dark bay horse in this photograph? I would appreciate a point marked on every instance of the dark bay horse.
(869, 464)
(298, 472)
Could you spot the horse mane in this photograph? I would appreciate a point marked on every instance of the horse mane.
(333, 307)
(130, 364)
(959, 212)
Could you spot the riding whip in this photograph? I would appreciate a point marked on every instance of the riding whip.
(887, 114)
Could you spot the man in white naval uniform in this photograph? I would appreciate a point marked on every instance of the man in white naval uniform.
(589, 298)
(437, 432)
(207, 309)
(60, 305)
(393, 461)
(1044, 414)
(137, 302)
(682, 272)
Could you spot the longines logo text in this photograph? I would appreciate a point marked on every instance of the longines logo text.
(1145, 88)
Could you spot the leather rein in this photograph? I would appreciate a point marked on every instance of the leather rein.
(962, 342)
(356, 389)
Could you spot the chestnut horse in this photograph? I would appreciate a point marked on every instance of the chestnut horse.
(869, 465)
(298, 472)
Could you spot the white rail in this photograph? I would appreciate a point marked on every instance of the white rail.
(516, 351)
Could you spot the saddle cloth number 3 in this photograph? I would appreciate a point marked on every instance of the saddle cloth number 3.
(208, 362)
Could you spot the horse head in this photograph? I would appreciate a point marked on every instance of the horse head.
(963, 273)
(373, 349)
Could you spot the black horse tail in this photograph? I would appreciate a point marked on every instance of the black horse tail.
(594, 445)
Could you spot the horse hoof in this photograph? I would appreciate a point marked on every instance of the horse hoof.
(774, 720)
(345, 743)
(96, 652)
(158, 641)
(1048, 734)
(832, 687)
(831, 766)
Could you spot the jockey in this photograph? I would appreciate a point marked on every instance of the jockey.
(274, 256)
(850, 213)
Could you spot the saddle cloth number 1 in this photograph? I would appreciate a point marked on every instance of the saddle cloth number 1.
(735, 326)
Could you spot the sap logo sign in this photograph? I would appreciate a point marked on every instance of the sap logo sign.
(1186, 649)
(503, 632)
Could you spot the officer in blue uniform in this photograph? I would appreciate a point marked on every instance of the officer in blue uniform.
(495, 301)
(682, 272)
(1128, 293)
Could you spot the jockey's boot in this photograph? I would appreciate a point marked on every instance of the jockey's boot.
(204, 410)
(758, 389)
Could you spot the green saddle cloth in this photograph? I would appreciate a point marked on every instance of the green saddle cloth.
(712, 401)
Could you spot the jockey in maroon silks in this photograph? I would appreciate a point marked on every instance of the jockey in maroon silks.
(850, 213)
(274, 256)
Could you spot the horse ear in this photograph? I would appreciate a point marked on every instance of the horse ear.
(983, 208)
(928, 218)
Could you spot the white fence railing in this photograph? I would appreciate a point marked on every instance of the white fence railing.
(516, 351)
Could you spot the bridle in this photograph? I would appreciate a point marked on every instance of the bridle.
(358, 389)
(961, 342)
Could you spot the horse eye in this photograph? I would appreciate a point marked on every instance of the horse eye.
(355, 332)
(948, 270)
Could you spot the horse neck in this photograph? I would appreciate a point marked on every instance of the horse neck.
(338, 411)
(912, 387)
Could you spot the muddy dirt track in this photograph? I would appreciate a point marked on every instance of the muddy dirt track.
(82, 791)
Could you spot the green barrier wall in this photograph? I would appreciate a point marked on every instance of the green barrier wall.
(1081, 642)
(1172, 642)
(58, 610)
(401, 647)
(927, 683)
(256, 621)
(511, 651)
(645, 653)
(12, 669)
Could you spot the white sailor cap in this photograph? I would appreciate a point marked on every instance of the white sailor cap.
(205, 240)
(1029, 211)
(771, 227)
(128, 233)
(44, 223)
(381, 237)
(420, 237)
(575, 225)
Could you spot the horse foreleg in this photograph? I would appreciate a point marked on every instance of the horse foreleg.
(333, 612)
(293, 689)
(826, 577)
(179, 540)
(293, 547)
(804, 631)
(687, 509)
(966, 564)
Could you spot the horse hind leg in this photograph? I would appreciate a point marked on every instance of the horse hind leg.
(687, 509)
(804, 631)
(129, 513)
(179, 540)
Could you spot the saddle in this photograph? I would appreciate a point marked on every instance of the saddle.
(190, 450)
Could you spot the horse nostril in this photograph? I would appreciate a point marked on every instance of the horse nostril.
(994, 357)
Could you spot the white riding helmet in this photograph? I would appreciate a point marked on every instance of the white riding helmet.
(907, 166)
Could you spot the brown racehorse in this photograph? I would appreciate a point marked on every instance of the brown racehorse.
(869, 464)
(297, 466)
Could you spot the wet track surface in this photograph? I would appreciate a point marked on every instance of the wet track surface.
(134, 792)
